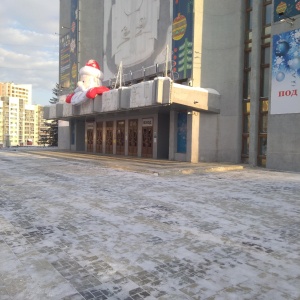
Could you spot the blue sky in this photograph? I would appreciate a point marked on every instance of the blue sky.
(29, 45)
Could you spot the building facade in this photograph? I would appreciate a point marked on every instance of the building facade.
(20, 121)
(199, 81)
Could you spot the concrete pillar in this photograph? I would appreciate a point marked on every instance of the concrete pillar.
(80, 135)
(197, 42)
(193, 127)
(255, 80)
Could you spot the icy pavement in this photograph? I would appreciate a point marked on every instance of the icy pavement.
(73, 229)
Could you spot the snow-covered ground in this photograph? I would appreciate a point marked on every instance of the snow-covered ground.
(72, 229)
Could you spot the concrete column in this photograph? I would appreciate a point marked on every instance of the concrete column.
(255, 80)
(193, 127)
(197, 42)
(80, 138)
(172, 134)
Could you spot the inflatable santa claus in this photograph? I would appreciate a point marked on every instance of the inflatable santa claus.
(90, 84)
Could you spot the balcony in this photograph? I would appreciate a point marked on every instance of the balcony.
(158, 92)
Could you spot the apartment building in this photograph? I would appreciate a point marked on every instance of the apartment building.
(201, 80)
(1, 124)
(20, 121)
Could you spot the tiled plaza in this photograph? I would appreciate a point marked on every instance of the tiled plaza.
(73, 227)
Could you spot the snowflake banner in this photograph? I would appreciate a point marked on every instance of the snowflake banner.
(285, 98)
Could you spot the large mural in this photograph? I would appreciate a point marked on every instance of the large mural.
(286, 73)
(182, 36)
(68, 51)
(286, 9)
(136, 33)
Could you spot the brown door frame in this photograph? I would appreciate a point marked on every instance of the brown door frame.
(147, 141)
(109, 137)
(99, 137)
(133, 140)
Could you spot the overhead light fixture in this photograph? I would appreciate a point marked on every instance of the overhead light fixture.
(64, 27)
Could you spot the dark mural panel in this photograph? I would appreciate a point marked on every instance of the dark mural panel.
(285, 9)
(65, 65)
(181, 132)
(68, 51)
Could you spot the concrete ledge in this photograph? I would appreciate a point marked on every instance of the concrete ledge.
(52, 111)
(67, 110)
(125, 93)
(142, 94)
(162, 90)
(111, 100)
(59, 110)
(159, 91)
(84, 108)
(196, 98)
(98, 104)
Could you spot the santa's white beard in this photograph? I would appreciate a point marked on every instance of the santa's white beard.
(79, 96)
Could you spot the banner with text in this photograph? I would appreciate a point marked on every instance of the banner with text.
(285, 98)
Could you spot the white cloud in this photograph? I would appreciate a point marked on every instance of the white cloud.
(29, 46)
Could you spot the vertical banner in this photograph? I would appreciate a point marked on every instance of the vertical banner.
(182, 38)
(65, 66)
(285, 9)
(74, 44)
(285, 98)
(68, 51)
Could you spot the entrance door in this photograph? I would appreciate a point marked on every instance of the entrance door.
(147, 141)
(99, 137)
(132, 137)
(90, 140)
(109, 137)
(120, 136)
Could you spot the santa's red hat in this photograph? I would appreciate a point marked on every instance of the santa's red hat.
(91, 68)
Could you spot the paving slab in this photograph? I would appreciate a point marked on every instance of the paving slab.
(84, 226)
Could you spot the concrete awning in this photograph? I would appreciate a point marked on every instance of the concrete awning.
(155, 93)
(195, 98)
